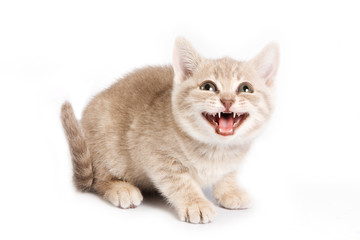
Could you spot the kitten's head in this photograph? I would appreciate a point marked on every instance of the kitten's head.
(222, 100)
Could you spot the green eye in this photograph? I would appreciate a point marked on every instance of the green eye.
(208, 86)
(245, 88)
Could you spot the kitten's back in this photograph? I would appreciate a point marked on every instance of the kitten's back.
(142, 85)
(109, 116)
(130, 94)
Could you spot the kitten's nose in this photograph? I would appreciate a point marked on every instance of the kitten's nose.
(227, 103)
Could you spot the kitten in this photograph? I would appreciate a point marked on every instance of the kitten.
(174, 129)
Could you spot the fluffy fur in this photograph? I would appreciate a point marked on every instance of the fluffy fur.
(148, 131)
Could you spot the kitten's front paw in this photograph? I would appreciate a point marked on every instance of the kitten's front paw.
(124, 195)
(199, 211)
(238, 199)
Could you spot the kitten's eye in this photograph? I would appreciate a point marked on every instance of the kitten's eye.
(208, 86)
(246, 88)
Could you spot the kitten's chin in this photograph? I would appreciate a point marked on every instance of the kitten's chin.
(225, 123)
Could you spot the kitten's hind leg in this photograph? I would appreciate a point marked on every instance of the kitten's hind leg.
(119, 193)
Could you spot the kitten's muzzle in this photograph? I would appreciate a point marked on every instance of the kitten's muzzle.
(225, 123)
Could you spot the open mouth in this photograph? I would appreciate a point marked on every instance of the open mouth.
(225, 123)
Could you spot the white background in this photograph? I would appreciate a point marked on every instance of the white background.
(303, 172)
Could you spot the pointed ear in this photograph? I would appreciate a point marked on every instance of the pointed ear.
(185, 60)
(266, 63)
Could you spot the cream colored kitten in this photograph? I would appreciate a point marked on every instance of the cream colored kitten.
(174, 129)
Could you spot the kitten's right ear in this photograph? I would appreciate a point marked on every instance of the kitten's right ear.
(185, 59)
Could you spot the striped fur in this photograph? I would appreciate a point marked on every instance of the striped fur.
(80, 154)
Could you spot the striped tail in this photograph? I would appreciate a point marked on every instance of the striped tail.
(80, 154)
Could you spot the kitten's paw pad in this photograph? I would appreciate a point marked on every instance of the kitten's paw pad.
(234, 200)
(124, 195)
(200, 211)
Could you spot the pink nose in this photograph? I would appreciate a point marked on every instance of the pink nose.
(227, 103)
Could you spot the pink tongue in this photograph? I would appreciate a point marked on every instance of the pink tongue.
(226, 124)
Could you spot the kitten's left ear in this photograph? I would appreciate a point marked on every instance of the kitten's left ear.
(266, 63)
(185, 59)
